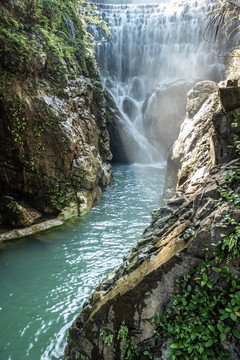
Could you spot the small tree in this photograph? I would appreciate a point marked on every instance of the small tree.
(224, 15)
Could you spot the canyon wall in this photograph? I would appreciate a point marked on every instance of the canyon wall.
(184, 233)
(55, 147)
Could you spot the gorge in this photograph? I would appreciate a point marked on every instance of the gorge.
(156, 54)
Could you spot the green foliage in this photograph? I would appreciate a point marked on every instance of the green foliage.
(58, 28)
(129, 350)
(17, 119)
(83, 357)
(230, 243)
(188, 233)
(122, 332)
(107, 337)
(148, 353)
(57, 197)
(202, 315)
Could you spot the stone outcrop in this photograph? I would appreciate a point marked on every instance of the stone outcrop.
(171, 246)
(230, 97)
(12, 213)
(55, 146)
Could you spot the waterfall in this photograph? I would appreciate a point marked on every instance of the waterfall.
(154, 49)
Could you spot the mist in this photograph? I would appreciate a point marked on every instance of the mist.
(152, 59)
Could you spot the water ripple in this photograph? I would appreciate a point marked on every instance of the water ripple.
(47, 278)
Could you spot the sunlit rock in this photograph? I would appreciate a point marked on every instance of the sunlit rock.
(198, 95)
(141, 286)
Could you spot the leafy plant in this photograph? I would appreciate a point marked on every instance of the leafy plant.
(122, 332)
(107, 337)
(129, 350)
(188, 233)
(148, 353)
(201, 316)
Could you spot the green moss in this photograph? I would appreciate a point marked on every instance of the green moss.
(44, 45)
(17, 117)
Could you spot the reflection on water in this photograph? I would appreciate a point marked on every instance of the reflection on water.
(45, 279)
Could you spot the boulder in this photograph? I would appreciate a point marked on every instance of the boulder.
(129, 108)
(229, 97)
(14, 214)
(198, 95)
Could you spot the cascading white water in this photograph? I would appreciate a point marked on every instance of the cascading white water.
(151, 46)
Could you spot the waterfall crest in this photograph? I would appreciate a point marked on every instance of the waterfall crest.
(153, 48)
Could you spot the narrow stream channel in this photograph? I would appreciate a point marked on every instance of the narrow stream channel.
(45, 279)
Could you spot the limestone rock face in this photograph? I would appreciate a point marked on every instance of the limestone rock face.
(53, 135)
(141, 286)
(198, 95)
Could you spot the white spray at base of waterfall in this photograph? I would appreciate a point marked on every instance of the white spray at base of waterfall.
(153, 45)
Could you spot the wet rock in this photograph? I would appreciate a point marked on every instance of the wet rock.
(192, 148)
(129, 108)
(29, 231)
(124, 146)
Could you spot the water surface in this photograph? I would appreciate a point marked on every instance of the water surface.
(46, 278)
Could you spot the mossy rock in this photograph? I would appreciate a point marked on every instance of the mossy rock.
(14, 214)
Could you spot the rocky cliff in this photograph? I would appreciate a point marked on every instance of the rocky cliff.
(176, 294)
(55, 147)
